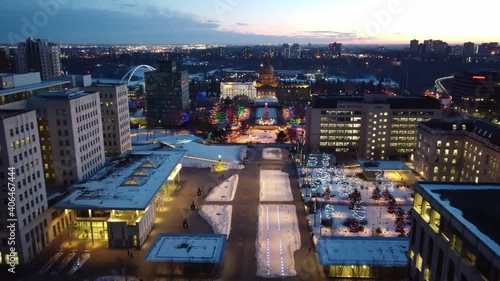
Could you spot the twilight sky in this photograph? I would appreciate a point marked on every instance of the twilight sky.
(249, 21)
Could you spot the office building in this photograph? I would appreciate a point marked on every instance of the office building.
(39, 55)
(76, 81)
(334, 50)
(458, 151)
(285, 51)
(233, 89)
(167, 95)
(16, 89)
(295, 51)
(414, 46)
(373, 127)
(115, 117)
(477, 93)
(71, 137)
(123, 219)
(20, 149)
(4, 61)
(469, 49)
(453, 232)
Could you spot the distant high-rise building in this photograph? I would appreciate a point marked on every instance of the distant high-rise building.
(477, 93)
(21, 156)
(334, 50)
(414, 46)
(70, 126)
(167, 94)
(469, 49)
(295, 51)
(4, 61)
(483, 49)
(245, 53)
(458, 151)
(373, 127)
(221, 52)
(39, 55)
(285, 51)
(115, 117)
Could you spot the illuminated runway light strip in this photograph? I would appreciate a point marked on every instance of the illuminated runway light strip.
(281, 242)
(268, 243)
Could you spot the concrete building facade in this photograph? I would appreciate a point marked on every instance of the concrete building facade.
(374, 127)
(458, 151)
(22, 179)
(115, 117)
(452, 236)
(233, 89)
(71, 137)
(39, 55)
(15, 89)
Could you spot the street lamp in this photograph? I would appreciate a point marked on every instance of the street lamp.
(138, 130)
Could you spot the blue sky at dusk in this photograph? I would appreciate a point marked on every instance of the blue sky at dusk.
(249, 21)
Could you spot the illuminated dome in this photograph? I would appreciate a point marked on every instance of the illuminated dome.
(266, 68)
(266, 75)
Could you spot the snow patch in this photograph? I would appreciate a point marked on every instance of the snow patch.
(271, 153)
(218, 216)
(278, 237)
(224, 191)
(275, 186)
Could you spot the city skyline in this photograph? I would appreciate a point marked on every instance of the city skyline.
(243, 22)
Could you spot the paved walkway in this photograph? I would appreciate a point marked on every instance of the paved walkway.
(239, 257)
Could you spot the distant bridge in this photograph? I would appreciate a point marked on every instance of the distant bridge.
(128, 77)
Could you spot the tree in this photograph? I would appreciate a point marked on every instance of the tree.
(376, 193)
(391, 205)
(353, 197)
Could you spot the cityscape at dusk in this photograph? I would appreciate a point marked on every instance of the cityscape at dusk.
(228, 140)
(248, 22)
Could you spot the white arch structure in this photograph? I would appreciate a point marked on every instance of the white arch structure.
(131, 72)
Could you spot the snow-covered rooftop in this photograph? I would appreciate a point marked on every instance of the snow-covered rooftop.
(368, 165)
(474, 205)
(130, 184)
(183, 247)
(369, 251)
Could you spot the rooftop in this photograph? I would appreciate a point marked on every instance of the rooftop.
(183, 247)
(6, 113)
(370, 251)
(129, 184)
(64, 94)
(38, 86)
(480, 128)
(395, 102)
(369, 165)
(474, 205)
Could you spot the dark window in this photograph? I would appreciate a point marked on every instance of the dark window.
(451, 271)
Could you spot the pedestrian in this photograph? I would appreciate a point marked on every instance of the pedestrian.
(128, 252)
(131, 255)
(310, 250)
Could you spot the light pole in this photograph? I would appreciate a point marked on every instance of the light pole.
(138, 131)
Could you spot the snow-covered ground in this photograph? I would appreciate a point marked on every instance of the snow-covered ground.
(376, 216)
(218, 216)
(274, 186)
(224, 191)
(278, 238)
(200, 155)
(271, 153)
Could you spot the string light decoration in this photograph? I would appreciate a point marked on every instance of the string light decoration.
(266, 118)
(219, 167)
(385, 182)
(329, 211)
(359, 211)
